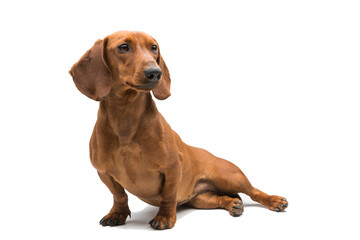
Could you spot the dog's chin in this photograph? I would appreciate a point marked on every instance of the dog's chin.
(143, 87)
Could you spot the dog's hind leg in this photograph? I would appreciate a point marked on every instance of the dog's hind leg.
(120, 209)
(210, 200)
(229, 179)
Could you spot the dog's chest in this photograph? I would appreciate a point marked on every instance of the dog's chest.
(131, 167)
(137, 174)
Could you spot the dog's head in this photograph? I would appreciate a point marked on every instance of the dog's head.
(124, 60)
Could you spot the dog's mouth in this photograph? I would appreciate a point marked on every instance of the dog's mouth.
(145, 86)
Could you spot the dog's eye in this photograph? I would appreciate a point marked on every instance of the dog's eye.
(123, 48)
(154, 48)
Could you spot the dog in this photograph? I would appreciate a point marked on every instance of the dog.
(132, 146)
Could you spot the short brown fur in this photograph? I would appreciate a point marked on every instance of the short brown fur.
(134, 148)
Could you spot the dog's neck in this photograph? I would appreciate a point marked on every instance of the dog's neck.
(126, 113)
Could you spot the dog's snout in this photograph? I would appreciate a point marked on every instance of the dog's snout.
(153, 74)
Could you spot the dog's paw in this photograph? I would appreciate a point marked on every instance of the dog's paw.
(236, 208)
(162, 222)
(277, 203)
(114, 219)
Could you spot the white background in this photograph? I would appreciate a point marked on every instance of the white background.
(272, 86)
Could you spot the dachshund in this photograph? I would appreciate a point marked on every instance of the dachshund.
(132, 146)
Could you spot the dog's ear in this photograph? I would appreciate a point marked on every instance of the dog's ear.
(91, 75)
(162, 91)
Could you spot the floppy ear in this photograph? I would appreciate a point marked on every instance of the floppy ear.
(162, 91)
(91, 75)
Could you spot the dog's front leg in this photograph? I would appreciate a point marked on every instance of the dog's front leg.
(166, 217)
(120, 209)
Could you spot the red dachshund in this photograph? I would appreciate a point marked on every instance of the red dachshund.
(134, 148)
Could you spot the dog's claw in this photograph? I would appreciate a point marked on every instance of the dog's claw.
(161, 223)
(114, 219)
(157, 225)
(236, 208)
(276, 203)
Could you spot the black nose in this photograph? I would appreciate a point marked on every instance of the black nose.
(153, 74)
